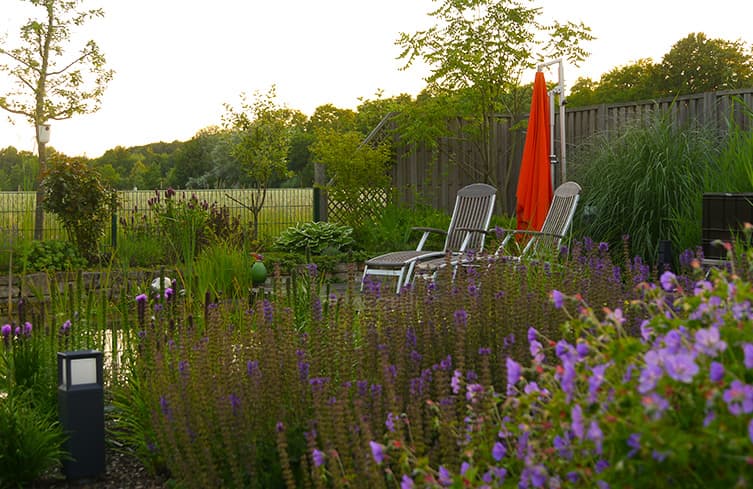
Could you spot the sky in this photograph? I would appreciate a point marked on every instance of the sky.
(177, 62)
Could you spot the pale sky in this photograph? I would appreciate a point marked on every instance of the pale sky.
(178, 61)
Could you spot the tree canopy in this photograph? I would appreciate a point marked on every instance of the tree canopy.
(694, 64)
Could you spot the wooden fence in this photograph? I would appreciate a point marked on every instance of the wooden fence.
(435, 176)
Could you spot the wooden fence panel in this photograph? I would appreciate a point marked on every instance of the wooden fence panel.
(435, 176)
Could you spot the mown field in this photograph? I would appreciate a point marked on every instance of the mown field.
(282, 208)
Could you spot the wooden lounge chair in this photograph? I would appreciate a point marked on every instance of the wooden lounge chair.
(467, 231)
(539, 243)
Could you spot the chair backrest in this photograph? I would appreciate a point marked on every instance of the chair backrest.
(474, 206)
(557, 220)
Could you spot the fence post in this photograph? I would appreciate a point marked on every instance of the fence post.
(320, 195)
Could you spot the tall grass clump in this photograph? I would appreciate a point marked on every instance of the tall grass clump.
(640, 181)
(260, 399)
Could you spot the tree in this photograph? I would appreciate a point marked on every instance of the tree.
(637, 81)
(262, 132)
(698, 64)
(48, 84)
(694, 64)
(483, 47)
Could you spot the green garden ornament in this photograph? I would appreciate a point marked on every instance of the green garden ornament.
(258, 270)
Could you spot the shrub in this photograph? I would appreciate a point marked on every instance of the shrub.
(76, 194)
(50, 256)
(315, 238)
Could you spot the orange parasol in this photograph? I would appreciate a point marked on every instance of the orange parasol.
(534, 191)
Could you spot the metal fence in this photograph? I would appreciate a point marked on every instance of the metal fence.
(282, 208)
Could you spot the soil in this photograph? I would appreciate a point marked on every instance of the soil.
(123, 471)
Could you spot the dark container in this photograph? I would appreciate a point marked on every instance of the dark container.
(724, 215)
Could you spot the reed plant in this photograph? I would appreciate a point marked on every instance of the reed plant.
(643, 182)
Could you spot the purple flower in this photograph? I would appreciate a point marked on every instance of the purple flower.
(513, 374)
(562, 445)
(6, 330)
(634, 442)
(655, 405)
(668, 280)
(573, 477)
(601, 466)
(681, 367)
(716, 372)
(564, 351)
(280, 427)
(576, 424)
(66, 326)
(567, 380)
(739, 398)
(444, 476)
(595, 381)
(318, 457)
(649, 377)
(455, 382)
(377, 451)
(646, 330)
(532, 334)
(141, 298)
(595, 435)
(603, 247)
(582, 349)
(461, 317)
(252, 366)
(390, 422)
(748, 352)
(27, 328)
(537, 351)
(708, 342)
(406, 483)
(602, 485)
(464, 468)
(498, 451)
(558, 298)
(473, 391)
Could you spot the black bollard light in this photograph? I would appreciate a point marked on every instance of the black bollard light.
(81, 411)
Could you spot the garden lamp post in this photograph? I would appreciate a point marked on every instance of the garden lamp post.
(81, 412)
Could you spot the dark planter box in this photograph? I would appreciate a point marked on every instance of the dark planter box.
(723, 217)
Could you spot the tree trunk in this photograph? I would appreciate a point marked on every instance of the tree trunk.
(39, 209)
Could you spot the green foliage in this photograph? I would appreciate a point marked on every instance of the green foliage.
(30, 440)
(223, 270)
(639, 182)
(482, 48)
(354, 169)
(391, 229)
(694, 64)
(261, 142)
(315, 238)
(74, 192)
(50, 256)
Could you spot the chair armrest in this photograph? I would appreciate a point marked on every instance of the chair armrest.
(426, 232)
(470, 232)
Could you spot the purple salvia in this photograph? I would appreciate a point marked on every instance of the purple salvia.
(455, 382)
(318, 457)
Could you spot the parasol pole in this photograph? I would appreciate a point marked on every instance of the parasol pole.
(559, 89)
